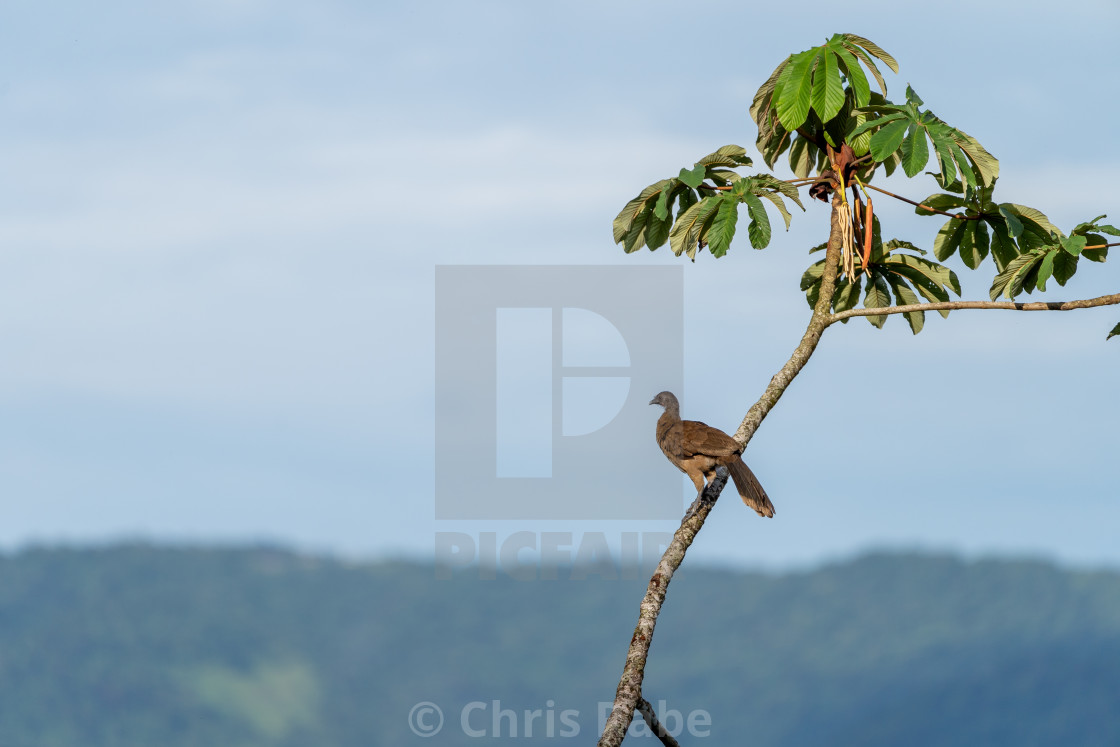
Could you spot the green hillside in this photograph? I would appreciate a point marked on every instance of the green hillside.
(150, 646)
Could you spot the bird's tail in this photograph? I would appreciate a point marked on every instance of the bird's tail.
(750, 490)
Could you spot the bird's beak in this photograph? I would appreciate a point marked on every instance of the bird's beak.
(653, 401)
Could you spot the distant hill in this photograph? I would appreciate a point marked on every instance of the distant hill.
(167, 647)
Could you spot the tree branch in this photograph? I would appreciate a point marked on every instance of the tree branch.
(629, 691)
(923, 207)
(820, 321)
(655, 726)
(1086, 303)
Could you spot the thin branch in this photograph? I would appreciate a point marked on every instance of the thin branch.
(923, 207)
(655, 726)
(1086, 303)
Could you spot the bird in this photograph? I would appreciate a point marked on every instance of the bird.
(697, 449)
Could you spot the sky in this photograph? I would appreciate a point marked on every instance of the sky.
(220, 224)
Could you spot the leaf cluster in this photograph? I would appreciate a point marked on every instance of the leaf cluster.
(817, 106)
(706, 199)
(895, 268)
(1025, 246)
(902, 131)
(814, 99)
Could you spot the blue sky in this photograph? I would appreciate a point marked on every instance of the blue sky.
(219, 224)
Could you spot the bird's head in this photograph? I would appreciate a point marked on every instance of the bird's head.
(667, 400)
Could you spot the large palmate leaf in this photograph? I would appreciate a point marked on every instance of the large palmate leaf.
(1115, 331)
(812, 89)
(904, 129)
(707, 196)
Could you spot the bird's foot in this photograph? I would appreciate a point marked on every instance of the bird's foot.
(696, 505)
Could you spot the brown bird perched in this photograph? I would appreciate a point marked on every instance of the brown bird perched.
(697, 449)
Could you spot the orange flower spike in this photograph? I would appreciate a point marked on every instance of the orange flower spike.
(868, 215)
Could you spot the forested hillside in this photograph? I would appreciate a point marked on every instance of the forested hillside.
(141, 645)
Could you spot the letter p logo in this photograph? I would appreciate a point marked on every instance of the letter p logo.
(542, 375)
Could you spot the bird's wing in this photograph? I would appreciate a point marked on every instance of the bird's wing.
(701, 438)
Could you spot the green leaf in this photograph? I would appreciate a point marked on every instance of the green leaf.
(693, 177)
(913, 97)
(968, 174)
(1003, 246)
(811, 283)
(1115, 331)
(847, 293)
(930, 290)
(1010, 281)
(874, 49)
(915, 151)
(687, 199)
(854, 43)
(969, 251)
(657, 232)
(812, 274)
(1014, 225)
(723, 227)
(981, 240)
(886, 140)
(1095, 255)
(1065, 265)
(774, 198)
(780, 185)
(940, 274)
(684, 238)
(948, 173)
(948, 238)
(987, 166)
(794, 95)
(802, 158)
(1046, 269)
(857, 81)
(1022, 211)
(828, 91)
(759, 228)
(940, 202)
(1074, 244)
(661, 207)
(904, 296)
(760, 105)
(636, 236)
(729, 156)
(861, 143)
(870, 64)
(635, 207)
(871, 124)
(877, 297)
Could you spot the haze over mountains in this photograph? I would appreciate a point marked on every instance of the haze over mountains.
(148, 645)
